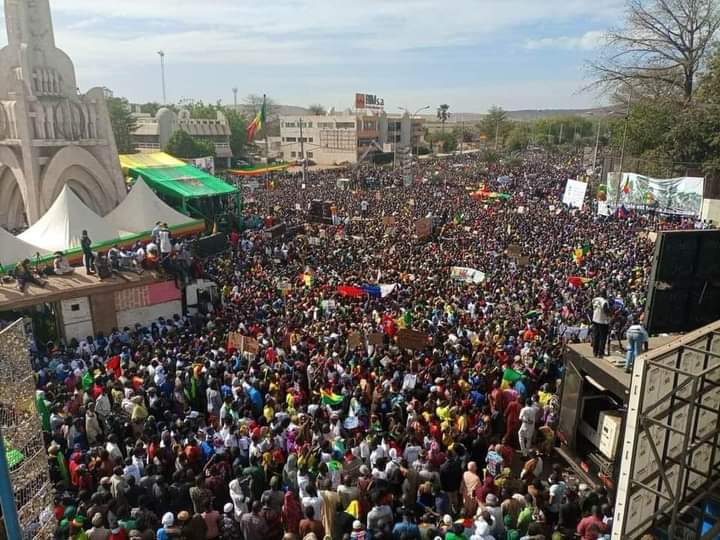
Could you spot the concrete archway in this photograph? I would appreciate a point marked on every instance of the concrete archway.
(13, 190)
(85, 174)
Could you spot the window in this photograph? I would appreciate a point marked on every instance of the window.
(311, 139)
(293, 154)
(345, 125)
(326, 125)
(290, 124)
(290, 139)
(309, 155)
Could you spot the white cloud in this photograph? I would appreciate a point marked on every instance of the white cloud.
(588, 41)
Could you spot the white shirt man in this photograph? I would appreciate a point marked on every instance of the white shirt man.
(165, 245)
(528, 415)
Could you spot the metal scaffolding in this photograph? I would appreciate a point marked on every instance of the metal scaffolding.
(671, 452)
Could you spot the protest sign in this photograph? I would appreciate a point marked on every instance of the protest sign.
(468, 275)
(412, 339)
(250, 345)
(574, 193)
(355, 340)
(376, 338)
(234, 341)
(423, 228)
(523, 261)
(514, 250)
(388, 221)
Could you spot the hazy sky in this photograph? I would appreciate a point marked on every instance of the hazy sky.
(467, 53)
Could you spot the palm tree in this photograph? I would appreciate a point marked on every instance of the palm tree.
(443, 114)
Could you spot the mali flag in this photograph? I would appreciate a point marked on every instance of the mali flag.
(257, 123)
(330, 398)
(626, 187)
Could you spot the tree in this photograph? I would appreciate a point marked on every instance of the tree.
(199, 109)
(252, 103)
(662, 48)
(183, 145)
(495, 125)
(443, 114)
(123, 124)
(316, 109)
(238, 132)
(150, 108)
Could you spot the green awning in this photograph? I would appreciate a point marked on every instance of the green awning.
(185, 182)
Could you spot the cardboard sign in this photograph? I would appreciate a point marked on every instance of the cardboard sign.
(423, 228)
(376, 338)
(412, 339)
(514, 250)
(389, 221)
(523, 261)
(355, 340)
(250, 345)
(234, 341)
(378, 196)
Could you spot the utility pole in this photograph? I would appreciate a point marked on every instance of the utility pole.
(302, 152)
(162, 75)
(497, 133)
(561, 133)
(597, 143)
(235, 92)
(462, 132)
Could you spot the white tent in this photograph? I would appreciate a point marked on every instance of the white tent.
(141, 209)
(62, 225)
(13, 249)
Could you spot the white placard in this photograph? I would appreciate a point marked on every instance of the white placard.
(574, 193)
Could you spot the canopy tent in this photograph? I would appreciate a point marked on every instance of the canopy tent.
(259, 170)
(149, 161)
(12, 249)
(141, 209)
(184, 182)
(62, 225)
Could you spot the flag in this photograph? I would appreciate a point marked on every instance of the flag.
(308, 279)
(458, 218)
(353, 292)
(626, 187)
(353, 509)
(378, 291)
(578, 281)
(511, 376)
(87, 381)
(331, 398)
(257, 123)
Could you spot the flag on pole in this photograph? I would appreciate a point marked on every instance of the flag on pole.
(257, 123)
(626, 187)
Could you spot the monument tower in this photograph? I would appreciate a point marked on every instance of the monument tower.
(50, 134)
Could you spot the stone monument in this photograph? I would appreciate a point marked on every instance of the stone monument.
(50, 134)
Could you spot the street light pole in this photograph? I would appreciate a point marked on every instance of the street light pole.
(162, 74)
(622, 149)
(235, 92)
(597, 143)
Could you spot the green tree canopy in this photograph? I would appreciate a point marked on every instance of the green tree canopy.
(182, 145)
(238, 132)
(123, 124)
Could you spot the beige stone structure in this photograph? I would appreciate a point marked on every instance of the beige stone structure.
(50, 134)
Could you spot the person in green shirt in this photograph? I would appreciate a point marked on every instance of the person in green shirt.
(510, 532)
(526, 515)
(457, 532)
(76, 531)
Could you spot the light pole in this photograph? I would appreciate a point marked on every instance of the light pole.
(413, 115)
(162, 74)
(235, 91)
(622, 149)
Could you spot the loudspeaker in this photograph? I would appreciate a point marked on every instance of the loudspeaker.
(684, 287)
(212, 245)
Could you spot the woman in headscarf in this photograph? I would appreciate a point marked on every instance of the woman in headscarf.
(291, 513)
(290, 473)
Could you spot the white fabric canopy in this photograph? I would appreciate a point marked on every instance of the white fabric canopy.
(141, 209)
(62, 225)
(13, 249)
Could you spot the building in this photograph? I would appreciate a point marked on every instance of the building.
(153, 133)
(51, 135)
(343, 138)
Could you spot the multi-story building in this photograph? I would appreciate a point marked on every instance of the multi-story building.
(153, 133)
(342, 138)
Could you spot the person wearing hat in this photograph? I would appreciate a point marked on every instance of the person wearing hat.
(229, 528)
(61, 266)
(168, 530)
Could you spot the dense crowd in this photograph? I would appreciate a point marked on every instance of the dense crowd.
(326, 427)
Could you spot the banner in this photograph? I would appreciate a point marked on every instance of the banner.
(468, 275)
(683, 195)
(574, 193)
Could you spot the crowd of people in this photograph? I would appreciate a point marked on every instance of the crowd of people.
(325, 423)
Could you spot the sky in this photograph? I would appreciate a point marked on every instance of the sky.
(470, 54)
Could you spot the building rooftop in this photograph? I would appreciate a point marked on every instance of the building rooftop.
(72, 286)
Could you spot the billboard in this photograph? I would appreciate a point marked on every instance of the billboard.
(369, 101)
(670, 450)
(683, 195)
